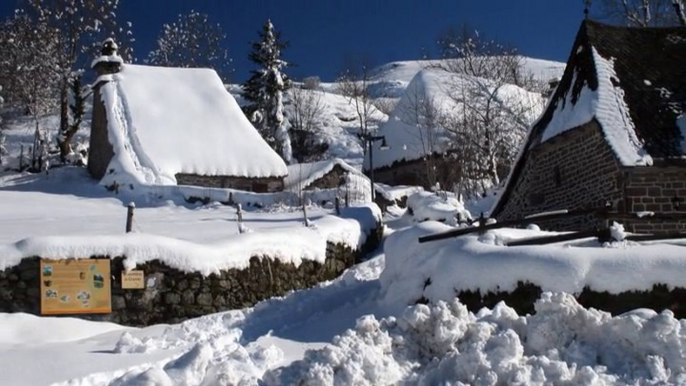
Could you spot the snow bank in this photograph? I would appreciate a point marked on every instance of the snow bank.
(608, 106)
(26, 329)
(563, 343)
(214, 355)
(426, 206)
(288, 244)
(435, 270)
(395, 193)
(164, 121)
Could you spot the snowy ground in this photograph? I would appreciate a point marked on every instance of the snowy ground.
(68, 202)
(344, 332)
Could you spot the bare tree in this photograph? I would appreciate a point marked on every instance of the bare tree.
(192, 41)
(81, 25)
(421, 112)
(307, 113)
(353, 84)
(27, 66)
(643, 13)
(493, 115)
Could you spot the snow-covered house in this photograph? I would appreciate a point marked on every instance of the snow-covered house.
(614, 131)
(419, 147)
(329, 174)
(166, 126)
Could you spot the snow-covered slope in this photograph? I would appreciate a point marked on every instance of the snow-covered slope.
(164, 121)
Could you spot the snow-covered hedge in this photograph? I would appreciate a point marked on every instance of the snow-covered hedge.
(563, 343)
(437, 270)
(423, 206)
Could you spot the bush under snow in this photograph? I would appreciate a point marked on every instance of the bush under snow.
(446, 208)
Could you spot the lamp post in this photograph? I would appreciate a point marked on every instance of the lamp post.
(368, 140)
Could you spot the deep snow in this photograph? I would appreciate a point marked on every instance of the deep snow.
(347, 331)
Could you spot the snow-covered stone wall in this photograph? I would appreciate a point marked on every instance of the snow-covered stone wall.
(173, 295)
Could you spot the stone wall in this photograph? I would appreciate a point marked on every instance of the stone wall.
(655, 189)
(523, 297)
(576, 169)
(414, 173)
(259, 185)
(177, 296)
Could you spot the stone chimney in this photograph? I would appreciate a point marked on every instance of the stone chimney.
(109, 61)
(552, 85)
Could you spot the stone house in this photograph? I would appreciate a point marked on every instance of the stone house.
(327, 175)
(612, 133)
(173, 126)
(421, 149)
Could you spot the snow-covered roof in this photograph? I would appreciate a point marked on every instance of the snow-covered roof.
(409, 138)
(632, 81)
(163, 121)
(302, 175)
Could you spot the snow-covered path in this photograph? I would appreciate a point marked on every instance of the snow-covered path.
(85, 353)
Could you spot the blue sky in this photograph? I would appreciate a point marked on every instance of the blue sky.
(322, 33)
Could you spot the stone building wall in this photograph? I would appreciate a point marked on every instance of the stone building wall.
(177, 296)
(655, 189)
(259, 185)
(414, 173)
(330, 180)
(574, 170)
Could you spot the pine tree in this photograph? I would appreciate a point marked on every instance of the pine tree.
(264, 90)
(192, 41)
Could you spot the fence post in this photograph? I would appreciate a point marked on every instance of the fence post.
(307, 221)
(239, 218)
(482, 223)
(129, 216)
(338, 205)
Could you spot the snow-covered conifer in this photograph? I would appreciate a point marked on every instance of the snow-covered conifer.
(264, 90)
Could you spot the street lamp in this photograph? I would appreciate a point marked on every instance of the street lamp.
(368, 140)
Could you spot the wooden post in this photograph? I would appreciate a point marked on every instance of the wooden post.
(239, 218)
(482, 224)
(129, 216)
(338, 206)
(21, 158)
(307, 221)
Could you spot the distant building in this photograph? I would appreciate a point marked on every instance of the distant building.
(329, 174)
(614, 132)
(166, 126)
(421, 151)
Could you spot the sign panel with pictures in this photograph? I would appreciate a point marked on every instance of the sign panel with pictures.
(75, 286)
